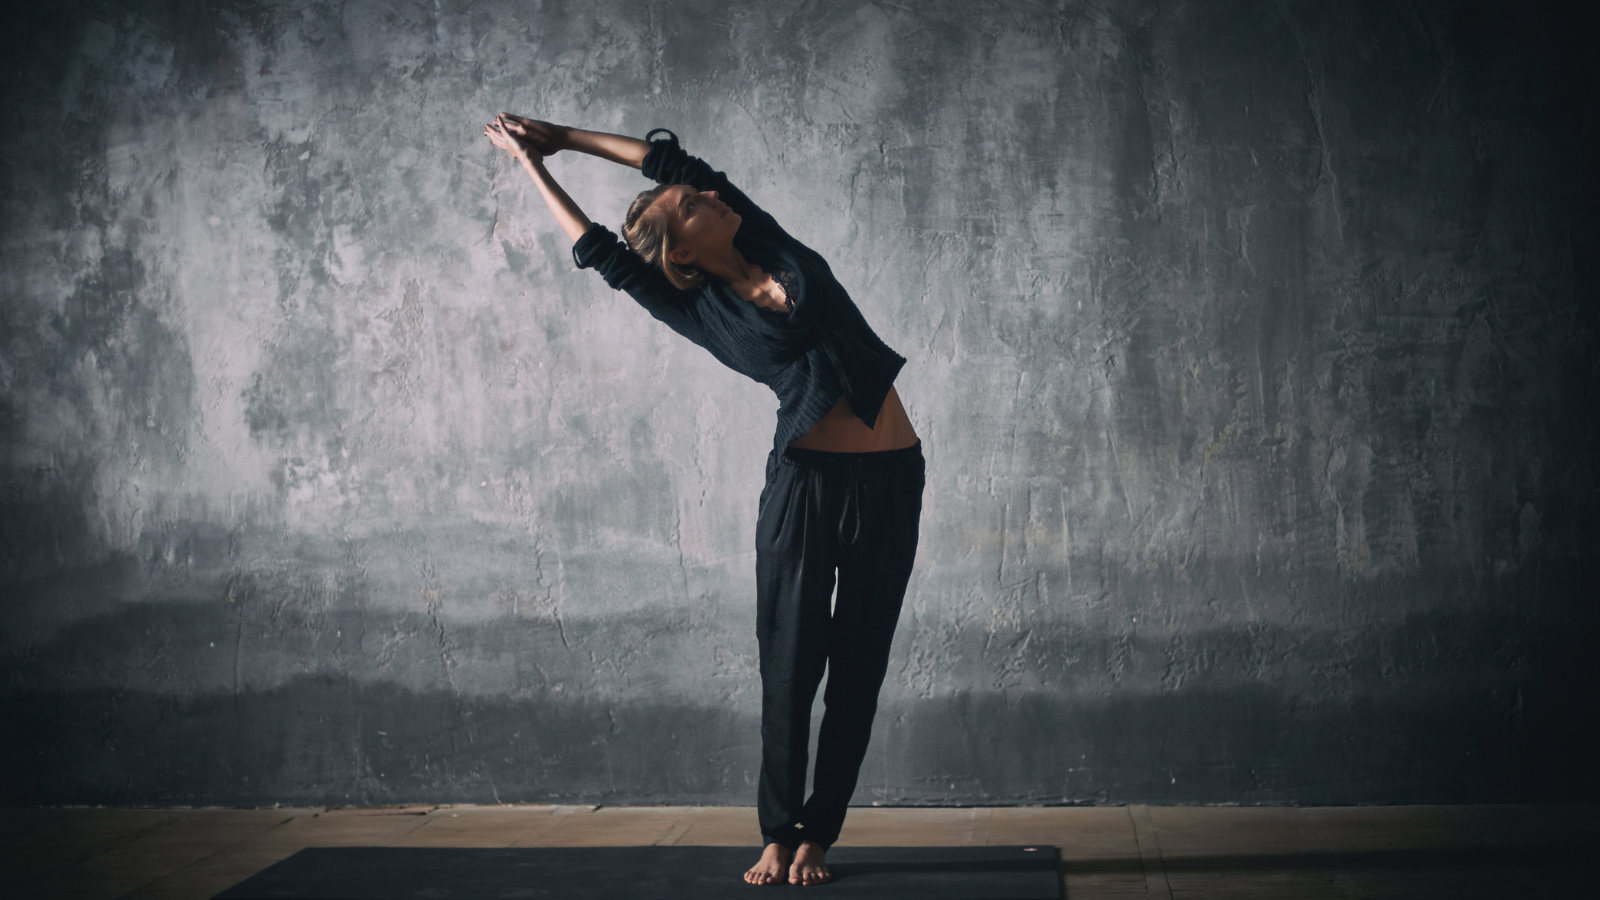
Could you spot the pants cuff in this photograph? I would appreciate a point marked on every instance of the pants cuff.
(788, 836)
(792, 838)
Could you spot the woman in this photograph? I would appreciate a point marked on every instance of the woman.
(844, 479)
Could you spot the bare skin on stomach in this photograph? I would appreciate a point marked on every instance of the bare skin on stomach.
(842, 431)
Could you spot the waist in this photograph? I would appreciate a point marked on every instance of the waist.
(823, 459)
(840, 430)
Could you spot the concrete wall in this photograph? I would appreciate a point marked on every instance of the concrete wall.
(1251, 345)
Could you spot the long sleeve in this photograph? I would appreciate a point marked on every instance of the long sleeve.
(667, 163)
(600, 248)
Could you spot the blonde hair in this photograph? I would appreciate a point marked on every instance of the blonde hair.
(651, 237)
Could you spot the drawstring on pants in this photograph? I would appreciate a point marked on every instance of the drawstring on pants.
(843, 472)
(851, 512)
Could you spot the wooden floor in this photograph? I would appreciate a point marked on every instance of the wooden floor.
(1184, 852)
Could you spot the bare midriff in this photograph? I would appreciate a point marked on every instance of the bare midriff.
(842, 431)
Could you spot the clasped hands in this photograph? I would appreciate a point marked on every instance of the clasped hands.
(528, 139)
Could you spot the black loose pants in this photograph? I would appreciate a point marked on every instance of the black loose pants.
(822, 512)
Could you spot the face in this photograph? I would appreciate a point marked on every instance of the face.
(700, 222)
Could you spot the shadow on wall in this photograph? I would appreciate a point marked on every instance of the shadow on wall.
(1441, 735)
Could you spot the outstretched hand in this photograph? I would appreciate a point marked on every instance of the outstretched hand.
(529, 142)
(501, 133)
(531, 137)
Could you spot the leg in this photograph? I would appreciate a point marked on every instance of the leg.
(873, 573)
(794, 580)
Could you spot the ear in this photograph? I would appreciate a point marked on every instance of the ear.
(681, 255)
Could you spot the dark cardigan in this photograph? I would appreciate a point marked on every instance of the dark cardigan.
(822, 349)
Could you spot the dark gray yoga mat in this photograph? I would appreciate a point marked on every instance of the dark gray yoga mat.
(646, 873)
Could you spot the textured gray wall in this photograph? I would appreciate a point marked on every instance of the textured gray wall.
(1251, 345)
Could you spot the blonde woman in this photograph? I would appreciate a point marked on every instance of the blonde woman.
(844, 480)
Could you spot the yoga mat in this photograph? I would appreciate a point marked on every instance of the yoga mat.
(646, 873)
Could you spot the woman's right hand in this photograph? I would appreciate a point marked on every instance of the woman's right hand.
(500, 134)
(540, 139)
(544, 138)
(529, 142)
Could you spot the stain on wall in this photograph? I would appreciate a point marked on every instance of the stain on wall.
(1251, 344)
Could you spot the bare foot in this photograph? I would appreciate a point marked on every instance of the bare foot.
(774, 862)
(809, 867)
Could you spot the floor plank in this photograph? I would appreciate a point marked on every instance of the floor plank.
(1185, 853)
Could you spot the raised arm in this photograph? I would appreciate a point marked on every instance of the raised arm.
(594, 245)
(668, 164)
(512, 138)
(550, 138)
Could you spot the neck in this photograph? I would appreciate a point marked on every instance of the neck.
(728, 264)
